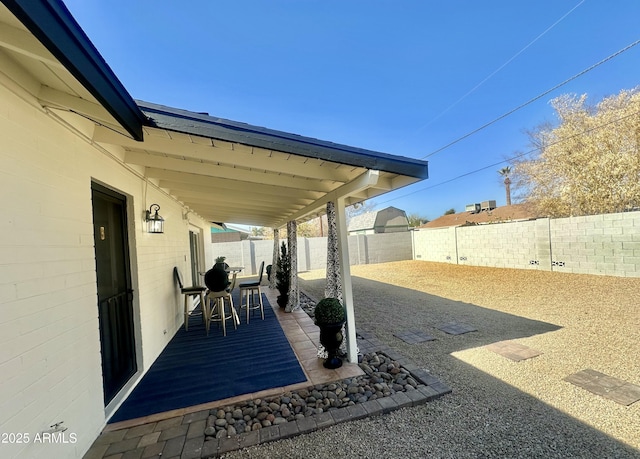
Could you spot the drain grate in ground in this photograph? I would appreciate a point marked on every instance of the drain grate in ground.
(606, 386)
(454, 328)
(413, 336)
(513, 350)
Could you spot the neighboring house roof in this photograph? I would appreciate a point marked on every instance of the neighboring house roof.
(229, 229)
(497, 215)
(222, 170)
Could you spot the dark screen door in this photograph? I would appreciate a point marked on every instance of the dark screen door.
(115, 307)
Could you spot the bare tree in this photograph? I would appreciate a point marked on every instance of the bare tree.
(589, 163)
(359, 209)
(416, 220)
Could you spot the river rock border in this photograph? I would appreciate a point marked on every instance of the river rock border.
(390, 382)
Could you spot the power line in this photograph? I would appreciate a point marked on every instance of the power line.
(503, 65)
(577, 75)
(513, 157)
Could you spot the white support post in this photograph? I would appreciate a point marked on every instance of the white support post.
(345, 274)
(274, 260)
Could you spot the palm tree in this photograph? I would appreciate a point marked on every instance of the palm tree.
(505, 171)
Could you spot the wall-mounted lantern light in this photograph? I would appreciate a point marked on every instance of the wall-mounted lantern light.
(155, 223)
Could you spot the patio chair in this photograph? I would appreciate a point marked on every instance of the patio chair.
(252, 288)
(193, 291)
(218, 312)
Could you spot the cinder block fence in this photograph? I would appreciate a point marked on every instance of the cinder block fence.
(312, 252)
(606, 244)
(598, 244)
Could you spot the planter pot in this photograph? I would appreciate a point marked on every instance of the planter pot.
(331, 338)
(282, 300)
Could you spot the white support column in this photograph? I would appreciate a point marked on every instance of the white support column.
(345, 274)
(274, 261)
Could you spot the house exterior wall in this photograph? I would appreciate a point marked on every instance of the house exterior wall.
(50, 364)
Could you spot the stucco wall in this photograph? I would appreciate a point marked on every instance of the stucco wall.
(50, 365)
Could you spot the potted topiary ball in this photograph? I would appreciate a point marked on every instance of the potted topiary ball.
(329, 315)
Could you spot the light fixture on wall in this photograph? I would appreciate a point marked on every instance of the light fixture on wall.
(155, 223)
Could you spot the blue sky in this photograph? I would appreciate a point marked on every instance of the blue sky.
(401, 77)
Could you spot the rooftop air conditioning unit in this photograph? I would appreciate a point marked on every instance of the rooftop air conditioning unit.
(488, 205)
(473, 208)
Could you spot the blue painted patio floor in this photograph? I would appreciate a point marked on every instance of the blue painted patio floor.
(196, 371)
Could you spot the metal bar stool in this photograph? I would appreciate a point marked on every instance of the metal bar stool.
(192, 291)
(218, 312)
(250, 289)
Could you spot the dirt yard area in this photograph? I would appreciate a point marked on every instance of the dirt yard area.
(577, 322)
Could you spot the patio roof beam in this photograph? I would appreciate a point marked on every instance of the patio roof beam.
(215, 170)
(223, 185)
(364, 181)
(183, 146)
(23, 42)
(196, 197)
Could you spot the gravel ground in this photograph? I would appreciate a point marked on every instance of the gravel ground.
(498, 408)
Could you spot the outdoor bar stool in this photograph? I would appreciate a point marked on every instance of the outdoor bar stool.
(218, 311)
(250, 289)
(192, 291)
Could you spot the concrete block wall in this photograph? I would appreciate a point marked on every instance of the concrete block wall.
(316, 248)
(386, 247)
(506, 245)
(312, 252)
(50, 357)
(597, 244)
(437, 244)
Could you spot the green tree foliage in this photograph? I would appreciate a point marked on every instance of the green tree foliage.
(283, 273)
(449, 212)
(589, 163)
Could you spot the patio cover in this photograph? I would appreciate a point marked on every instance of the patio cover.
(224, 171)
(235, 172)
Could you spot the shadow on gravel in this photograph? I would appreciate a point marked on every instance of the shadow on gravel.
(387, 310)
(484, 416)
